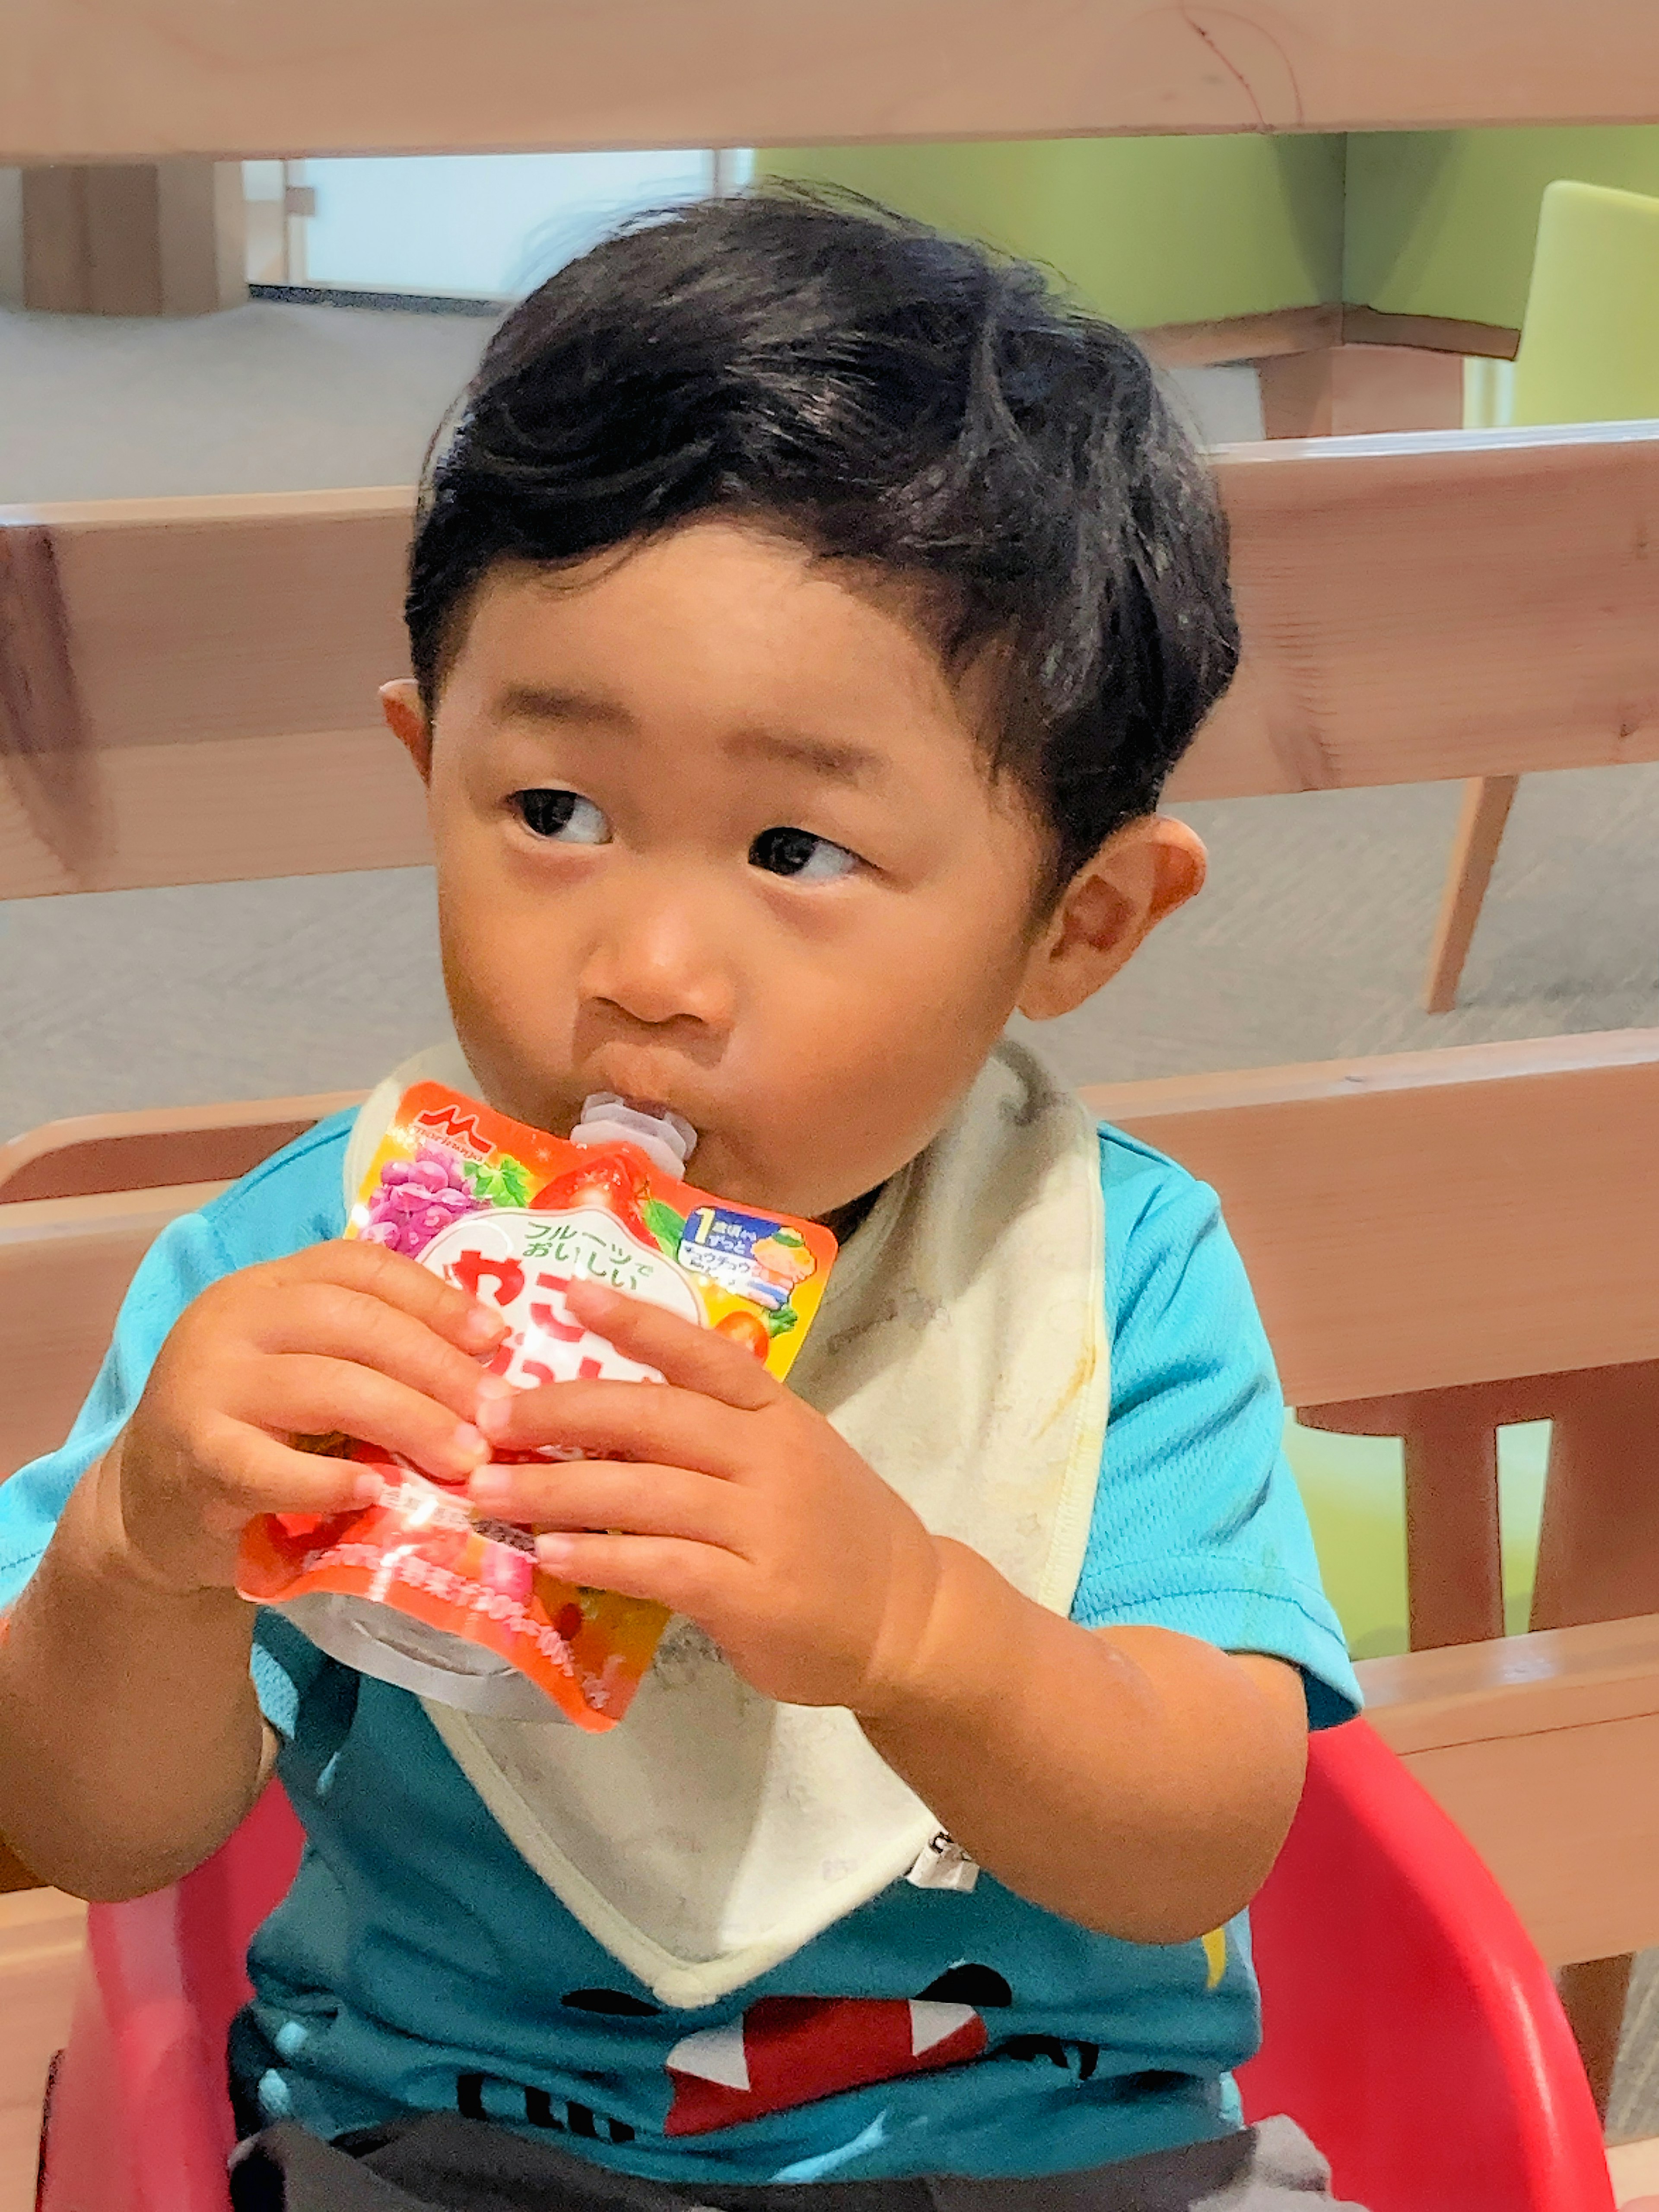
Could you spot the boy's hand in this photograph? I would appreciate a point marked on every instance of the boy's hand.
(727, 1499)
(343, 1337)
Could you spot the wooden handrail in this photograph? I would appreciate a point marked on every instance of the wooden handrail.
(107, 81)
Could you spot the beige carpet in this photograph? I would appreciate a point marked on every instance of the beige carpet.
(1308, 943)
(265, 398)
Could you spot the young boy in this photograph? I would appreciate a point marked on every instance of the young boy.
(806, 611)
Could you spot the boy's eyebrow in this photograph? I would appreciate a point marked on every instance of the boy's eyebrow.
(545, 702)
(837, 763)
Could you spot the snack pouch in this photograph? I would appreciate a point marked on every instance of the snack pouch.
(417, 1588)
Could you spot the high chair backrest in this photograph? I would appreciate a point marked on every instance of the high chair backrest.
(138, 2115)
(1411, 2027)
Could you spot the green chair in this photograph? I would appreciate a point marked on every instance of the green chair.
(1589, 353)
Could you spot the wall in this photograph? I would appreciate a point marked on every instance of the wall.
(1148, 230)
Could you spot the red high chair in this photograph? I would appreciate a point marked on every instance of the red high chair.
(1412, 2029)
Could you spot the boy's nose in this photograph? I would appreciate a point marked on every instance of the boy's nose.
(657, 964)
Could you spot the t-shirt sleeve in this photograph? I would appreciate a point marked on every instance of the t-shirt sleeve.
(1198, 1525)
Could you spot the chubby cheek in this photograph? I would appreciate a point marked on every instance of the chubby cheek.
(512, 1004)
(840, 1096)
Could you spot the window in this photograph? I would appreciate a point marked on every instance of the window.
(485, 226)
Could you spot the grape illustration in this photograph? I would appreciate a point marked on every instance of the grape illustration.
(415, 1198)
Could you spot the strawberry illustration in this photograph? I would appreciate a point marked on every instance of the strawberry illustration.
(614, 1180)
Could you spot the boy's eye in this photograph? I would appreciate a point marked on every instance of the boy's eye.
(563, 814)
(798, 853)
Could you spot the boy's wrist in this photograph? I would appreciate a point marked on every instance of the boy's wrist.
(107, 1555)
(963, 1654)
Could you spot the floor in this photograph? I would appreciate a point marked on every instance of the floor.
(265, 398)
(1308, 944)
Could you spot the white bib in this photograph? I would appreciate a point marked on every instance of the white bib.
(961, 1349)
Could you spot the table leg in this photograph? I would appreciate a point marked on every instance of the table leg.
(1487, 803)
(1598, 1560)
(1454, 1554)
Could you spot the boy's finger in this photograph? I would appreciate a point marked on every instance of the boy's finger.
(338, 1320)
(311, 1395)
(399, 1281)
(652, 1421)
(696, 1358)
(259, 1474)
(686, 1577)
(629, 1498)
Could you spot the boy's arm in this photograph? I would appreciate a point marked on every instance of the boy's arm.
(130, 1737)
(1133, 1779)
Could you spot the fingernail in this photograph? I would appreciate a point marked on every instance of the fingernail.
(485, 1326)
(554, 1552)
(366, 1491)
(491, 1485)
(470, 1444)
(492, 1413)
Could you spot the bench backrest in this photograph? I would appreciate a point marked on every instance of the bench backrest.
(199, 675)
(1426, 1220)
(108, 82)
(1409, 1223)
(80, 1203)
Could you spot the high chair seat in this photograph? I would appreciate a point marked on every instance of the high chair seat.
(1411, 2028)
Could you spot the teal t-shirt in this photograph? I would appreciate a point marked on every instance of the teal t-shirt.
(419, 1963)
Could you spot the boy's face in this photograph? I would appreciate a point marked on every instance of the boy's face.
(713, 831)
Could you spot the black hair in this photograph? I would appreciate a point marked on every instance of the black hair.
(883, 395)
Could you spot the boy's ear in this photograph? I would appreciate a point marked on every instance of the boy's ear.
(1143, 872)
(405, 717)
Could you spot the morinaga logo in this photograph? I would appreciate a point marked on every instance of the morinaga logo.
(460, 1130)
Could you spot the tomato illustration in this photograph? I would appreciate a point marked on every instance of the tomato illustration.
(745, 1329)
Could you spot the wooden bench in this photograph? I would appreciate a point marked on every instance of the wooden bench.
(80, 1203)
(200, 674)
(1441, 1242)
(41, 1936)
